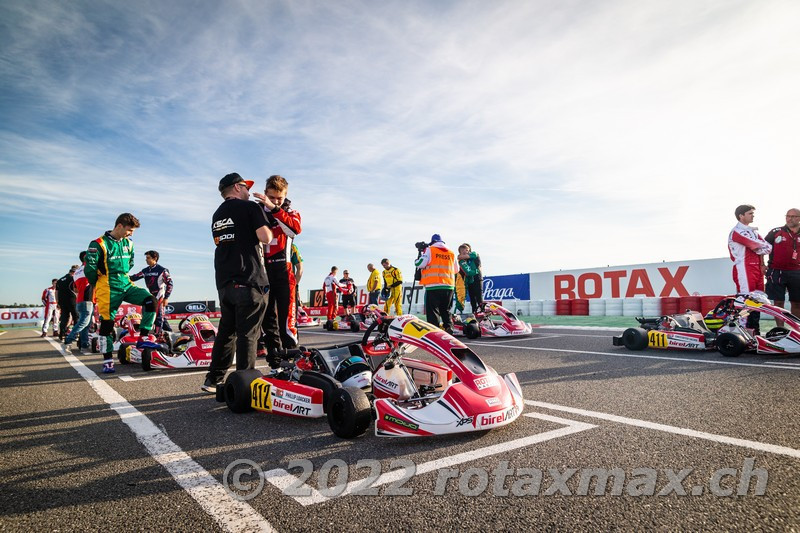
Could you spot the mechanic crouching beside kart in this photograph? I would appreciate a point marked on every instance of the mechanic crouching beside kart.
(747, 249)
(108, 261)
(239, 228)
(438, 267)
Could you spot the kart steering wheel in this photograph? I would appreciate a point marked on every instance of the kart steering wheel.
(375, 324)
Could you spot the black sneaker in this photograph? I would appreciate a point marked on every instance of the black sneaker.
(210, 386)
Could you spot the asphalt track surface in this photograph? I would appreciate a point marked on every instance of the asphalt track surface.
(148, 451)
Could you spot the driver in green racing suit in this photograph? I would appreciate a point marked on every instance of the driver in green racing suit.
(108, 260)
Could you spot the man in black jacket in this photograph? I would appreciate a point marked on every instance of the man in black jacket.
(67, 298)
(239, 228)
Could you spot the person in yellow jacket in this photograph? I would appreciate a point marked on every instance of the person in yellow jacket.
(373, 284)
(438, 266)
(393, 284)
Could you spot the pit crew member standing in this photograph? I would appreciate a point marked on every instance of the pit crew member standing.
(373, 284)
(280, 321)
(747, 250)
(438, 265)
(66, 299)
(393, 287)
(108, 261)
(348, 293)
(85, 307)
(331, 288)
(239, 228)
(50, 309)
(159, 283)
(470, 265)
(783, 272)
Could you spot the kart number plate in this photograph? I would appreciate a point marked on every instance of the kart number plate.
(260, 394)
(656, 339)
(416, 329)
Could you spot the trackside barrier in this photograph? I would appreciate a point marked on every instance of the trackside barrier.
(614, 307)
(597, 307)
(632, 307)
(536, 308)
(651, 306)
(579, 307)
(548, 307)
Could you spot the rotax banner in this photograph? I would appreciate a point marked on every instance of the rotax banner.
(654, 280)
(21, 315)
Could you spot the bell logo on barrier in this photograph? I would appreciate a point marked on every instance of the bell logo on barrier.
(196, 307)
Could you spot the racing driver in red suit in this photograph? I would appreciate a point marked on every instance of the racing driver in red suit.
(747, 249)
(280, 320)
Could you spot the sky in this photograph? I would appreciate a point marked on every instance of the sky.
(549, 134)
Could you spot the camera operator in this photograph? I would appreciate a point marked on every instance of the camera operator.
(437, 267)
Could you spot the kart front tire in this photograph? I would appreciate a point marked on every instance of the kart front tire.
(349, 413)
(329, 325)
(635, 339)
(237, 390)
(354, 326)
(472, 330)
(147, 356)
(730, 344)
(124, 353)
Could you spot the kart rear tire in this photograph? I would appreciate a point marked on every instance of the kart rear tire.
(731, 344)
(354, 326)
(635, 339)
(472, 330)
(237, 390)
(147, 356)
(329, 325)
(123, 354)
(326, 383)
(349, 413)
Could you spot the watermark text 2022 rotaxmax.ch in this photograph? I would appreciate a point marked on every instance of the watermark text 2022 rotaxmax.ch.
(244, 479)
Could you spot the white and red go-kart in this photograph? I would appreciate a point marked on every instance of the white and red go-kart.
(304, 320)
(457, 393)
(733, 338)
(482, 324)
(190, 348)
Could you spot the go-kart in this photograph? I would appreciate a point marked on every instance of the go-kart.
(734, 338)
(304, 320)
(409, 397)
(482, 324)
(690, 331)
(683, 331)
(189, 348)
(347, 322)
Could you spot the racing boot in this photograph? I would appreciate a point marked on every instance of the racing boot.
(108, 366)
(273, 358)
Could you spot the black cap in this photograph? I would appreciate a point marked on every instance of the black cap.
(232, 179)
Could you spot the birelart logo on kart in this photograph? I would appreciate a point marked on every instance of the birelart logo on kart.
(492, 419)
(401, 422)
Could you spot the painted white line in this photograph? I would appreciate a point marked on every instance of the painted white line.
(753, 445)
(129, 378)
(3, 332)
(229, 513)
(585, 328)
(282, 479)
(787, 363)
(638, 356)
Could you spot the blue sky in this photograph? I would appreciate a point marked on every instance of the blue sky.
(549, 134)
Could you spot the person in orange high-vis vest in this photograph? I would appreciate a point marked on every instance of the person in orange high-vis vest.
(438, 267)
